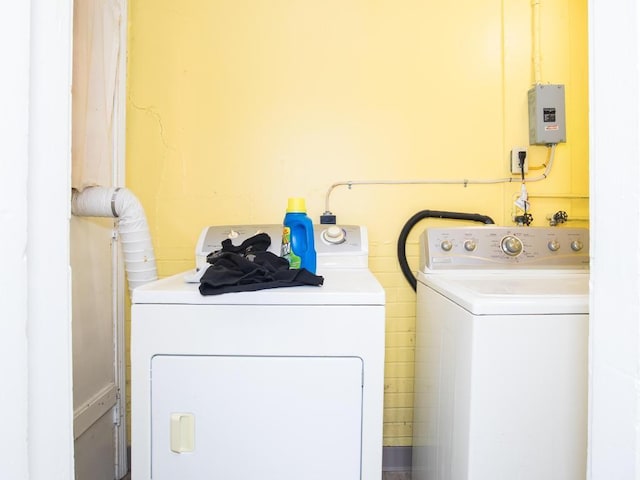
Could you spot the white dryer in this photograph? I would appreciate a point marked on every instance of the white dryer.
(501, 354)
(277, 384)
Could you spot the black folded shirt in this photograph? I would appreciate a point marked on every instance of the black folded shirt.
(250, 267)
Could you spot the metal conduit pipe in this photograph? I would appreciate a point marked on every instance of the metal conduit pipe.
(120, 203)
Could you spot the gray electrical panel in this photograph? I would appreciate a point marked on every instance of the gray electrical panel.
(547, 123)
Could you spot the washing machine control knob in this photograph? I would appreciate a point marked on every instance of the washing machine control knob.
(511, 245)
(446, 245)
(334, 235)
(470, 245)
(554, 245)
(576, 245)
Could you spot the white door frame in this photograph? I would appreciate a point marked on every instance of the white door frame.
(119, 154)
(14, 169)
(614, 336)
(49, 187)
(35, 339)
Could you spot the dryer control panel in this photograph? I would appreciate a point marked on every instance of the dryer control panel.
(339, 246)
(493, 247)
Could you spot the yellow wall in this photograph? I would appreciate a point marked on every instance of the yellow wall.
(234, 106)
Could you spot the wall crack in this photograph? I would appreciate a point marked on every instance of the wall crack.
(156, 115)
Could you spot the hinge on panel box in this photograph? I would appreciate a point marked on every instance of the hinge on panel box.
(116, 410)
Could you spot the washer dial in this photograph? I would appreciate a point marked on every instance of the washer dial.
(553, 245)
(511, 245)
(470, 245)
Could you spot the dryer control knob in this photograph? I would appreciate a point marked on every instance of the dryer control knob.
(334, 235)
(511, 245)
(470, 245)
(554, 245)
(576, 245)
(446, 245)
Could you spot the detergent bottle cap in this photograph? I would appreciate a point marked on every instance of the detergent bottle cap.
(296, 205)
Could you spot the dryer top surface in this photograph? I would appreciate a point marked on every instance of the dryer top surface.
(341, 287)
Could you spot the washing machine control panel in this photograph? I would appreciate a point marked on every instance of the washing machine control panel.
(494, 247)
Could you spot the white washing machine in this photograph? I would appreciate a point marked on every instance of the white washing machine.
(276, 384)
(501, 354)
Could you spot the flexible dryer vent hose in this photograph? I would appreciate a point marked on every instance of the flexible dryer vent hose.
(120, 203)
(421, 215)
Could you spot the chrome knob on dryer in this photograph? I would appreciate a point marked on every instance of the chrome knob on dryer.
(334, 235)
(446, 245)
(511, 245)
(576, 245)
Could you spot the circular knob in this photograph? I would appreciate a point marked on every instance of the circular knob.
(446, 245)
(233, 234)
(511, 245)
(576, 245)
(470, 245)
(554, 245)
(334, 235)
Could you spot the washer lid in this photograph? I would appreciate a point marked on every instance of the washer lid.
(341, 287)
(492, 293)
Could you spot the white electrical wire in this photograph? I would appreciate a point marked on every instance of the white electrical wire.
(535, 41)
(464, 182)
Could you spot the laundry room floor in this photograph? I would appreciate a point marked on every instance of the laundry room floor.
(385, 476)
(396, 475)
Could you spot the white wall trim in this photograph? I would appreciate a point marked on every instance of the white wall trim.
(614, 368)
(119, 165)
(50, 403)
(14, 132)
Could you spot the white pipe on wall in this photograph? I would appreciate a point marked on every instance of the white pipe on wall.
(536, 54)
(120, 203)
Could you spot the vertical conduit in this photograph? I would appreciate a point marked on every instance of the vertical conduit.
(535, 41)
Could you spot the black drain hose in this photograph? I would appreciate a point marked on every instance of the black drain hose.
(421, 215)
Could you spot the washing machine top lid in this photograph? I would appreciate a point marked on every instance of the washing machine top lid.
(540, 292)
(356, 286)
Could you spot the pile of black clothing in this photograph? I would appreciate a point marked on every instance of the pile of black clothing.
(249, 267)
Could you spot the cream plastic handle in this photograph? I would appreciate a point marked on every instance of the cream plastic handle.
(183, 431)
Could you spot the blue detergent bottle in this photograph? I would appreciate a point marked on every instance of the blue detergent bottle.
(297, 236)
